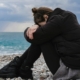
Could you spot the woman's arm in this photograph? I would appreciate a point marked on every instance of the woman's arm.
(47, 32)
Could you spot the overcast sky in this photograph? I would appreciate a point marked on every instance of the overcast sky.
(15, 15)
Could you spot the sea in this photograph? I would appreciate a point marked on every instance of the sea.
(13, 43)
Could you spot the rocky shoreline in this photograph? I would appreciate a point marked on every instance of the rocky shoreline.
(40, 69)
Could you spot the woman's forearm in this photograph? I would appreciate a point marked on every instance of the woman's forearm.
(47, 32)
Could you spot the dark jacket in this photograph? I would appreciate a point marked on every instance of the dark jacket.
(64, 30)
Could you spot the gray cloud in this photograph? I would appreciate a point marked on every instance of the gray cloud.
(20, 10)
(17, 13)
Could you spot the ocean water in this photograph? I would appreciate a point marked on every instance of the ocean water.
(12, 43)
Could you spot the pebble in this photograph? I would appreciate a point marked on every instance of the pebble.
(40, 69)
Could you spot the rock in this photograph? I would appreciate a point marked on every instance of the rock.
(40, 69)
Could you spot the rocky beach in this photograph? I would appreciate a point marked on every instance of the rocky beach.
(40, 69)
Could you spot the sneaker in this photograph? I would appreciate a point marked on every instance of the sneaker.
(25, 72)
(11, 69)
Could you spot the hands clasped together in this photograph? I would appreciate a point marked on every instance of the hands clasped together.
(31, 30)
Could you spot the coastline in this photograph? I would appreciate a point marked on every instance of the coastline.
(40, 69)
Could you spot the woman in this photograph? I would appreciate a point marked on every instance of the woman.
(57, 35)
(17, 67)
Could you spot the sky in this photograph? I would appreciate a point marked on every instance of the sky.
(16, 15)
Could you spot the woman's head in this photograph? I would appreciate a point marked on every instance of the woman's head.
(41, 15)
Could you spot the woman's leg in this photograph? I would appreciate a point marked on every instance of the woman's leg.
(24, 55)
(25, 71)
(31, 55)
(51, 57)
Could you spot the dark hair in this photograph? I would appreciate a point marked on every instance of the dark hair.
(39, 12)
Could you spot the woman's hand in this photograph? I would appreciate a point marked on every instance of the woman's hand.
(31, 30)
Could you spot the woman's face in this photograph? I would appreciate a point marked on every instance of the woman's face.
(44, 22)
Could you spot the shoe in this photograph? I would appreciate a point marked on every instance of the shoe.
(11, 69)
(25, 72)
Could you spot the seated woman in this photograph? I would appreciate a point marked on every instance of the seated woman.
(56, 34)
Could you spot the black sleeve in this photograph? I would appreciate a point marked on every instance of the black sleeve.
(47, 32)
(25, 35)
